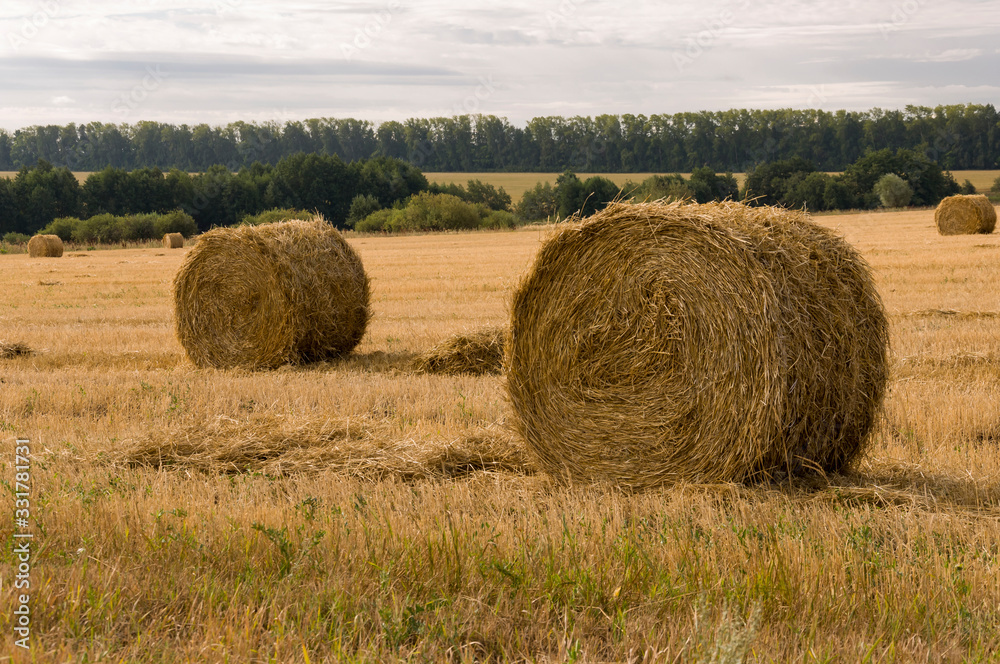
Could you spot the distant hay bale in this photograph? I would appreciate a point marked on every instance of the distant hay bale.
(258, 297)
(173, 241)
(965, 215)
(655, 343)
(45, 246)
(479, 352)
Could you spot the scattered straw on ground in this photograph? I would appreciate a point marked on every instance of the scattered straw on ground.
(283, 445)
(14, 349)
(479, 352)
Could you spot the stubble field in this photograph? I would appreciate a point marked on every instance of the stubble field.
(357, 511)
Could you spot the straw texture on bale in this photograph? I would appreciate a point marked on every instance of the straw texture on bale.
(655, 343)
(257, 297)
(479, 352)
(965, 215)
(45, 246)
(173, 241)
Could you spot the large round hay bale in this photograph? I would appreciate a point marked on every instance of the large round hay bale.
(261, 296)
(965, 215)
(45, 246)
(654, 343)
(173, 241)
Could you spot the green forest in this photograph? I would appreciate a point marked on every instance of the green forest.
(389, 195)
(958, 137)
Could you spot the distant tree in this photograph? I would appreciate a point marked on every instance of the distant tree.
(708, 186)
(656, 187)
(537, 203)
(967, 188)
(768, 183)
(893, 191)
(488, 195)
(996, 186)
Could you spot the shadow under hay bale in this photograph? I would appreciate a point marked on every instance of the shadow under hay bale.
(479, 352)
(277, 445)
(15, 349)
(45, 246)
(173, 241)
(965, 215)
(258, 297)
(655, 343)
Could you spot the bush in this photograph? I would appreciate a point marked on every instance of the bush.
(437, 212)
(499, 219)
(893, 191)
(996, 186)
(967, 188)
(362, 205)
(275, 215)
(377, 221)
(177, 221)
(136, 227)
(538, 203)
(15, 238)
(63, 227)
(656, 187)
(101, 228)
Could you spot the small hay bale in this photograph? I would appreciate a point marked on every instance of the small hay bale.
(14, 349)
(965, 215)
(479, 352)
(258, 297)
(45, 246)
(173, 241)
(655, 343)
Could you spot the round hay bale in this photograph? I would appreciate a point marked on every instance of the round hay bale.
(261, 296)
(173, 241)
(965, 215)
(45, 246)
(479, 352)
(655, 343)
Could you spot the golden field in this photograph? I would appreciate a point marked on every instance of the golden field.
(358, 511)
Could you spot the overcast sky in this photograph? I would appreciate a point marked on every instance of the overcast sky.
(223, 60)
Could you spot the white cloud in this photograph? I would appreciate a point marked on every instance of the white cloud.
(238, 59)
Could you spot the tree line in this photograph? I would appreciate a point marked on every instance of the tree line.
(217, 197)
(393, 191)
(964, 136)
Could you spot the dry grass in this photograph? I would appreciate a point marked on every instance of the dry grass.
(478, 352)
(385, 557)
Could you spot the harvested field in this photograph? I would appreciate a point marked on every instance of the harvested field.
(356, 510)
